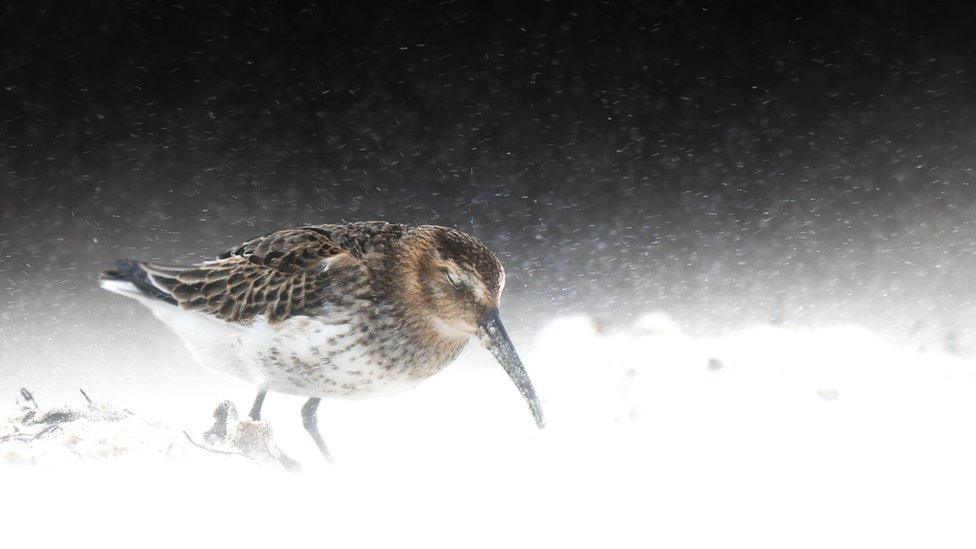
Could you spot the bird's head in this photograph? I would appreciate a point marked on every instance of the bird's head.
(457, 282)
(456, 278)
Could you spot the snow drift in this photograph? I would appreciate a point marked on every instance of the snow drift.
(765, 437)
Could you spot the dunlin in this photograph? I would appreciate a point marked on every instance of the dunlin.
(347, 310)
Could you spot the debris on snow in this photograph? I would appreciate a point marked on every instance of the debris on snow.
(34, 435)
(37, 434)
(246, 437)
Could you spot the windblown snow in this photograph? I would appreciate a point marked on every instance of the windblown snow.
(764, 437)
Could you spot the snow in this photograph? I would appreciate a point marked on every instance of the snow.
(82, 433)
(762, 437)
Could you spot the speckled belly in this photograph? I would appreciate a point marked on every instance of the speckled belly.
(308, 357)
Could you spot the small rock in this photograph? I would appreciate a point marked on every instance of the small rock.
(828, 394)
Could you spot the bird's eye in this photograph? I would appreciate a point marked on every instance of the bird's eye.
(453, 279)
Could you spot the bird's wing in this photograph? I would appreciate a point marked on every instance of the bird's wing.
(362, 238)
(279, 275)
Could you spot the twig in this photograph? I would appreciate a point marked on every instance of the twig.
(26, 437)
(28, 396)
(44, 431)
(214, 450)
(84, 394)
(289, 464)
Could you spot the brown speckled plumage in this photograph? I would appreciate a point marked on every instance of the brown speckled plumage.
(345, 310)
(281, 274)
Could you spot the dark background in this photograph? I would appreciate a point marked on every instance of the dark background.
(729, 165)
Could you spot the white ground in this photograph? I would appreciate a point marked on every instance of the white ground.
(766, 437)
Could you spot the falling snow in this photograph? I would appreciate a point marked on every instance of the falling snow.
(739, 244)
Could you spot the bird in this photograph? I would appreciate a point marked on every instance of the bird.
(347, 310)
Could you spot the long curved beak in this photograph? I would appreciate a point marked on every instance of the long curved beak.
(492, 333)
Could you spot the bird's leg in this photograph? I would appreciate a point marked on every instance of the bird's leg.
(311, 425)
(258, 401)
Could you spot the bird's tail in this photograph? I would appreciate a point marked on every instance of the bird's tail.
(130, 279)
